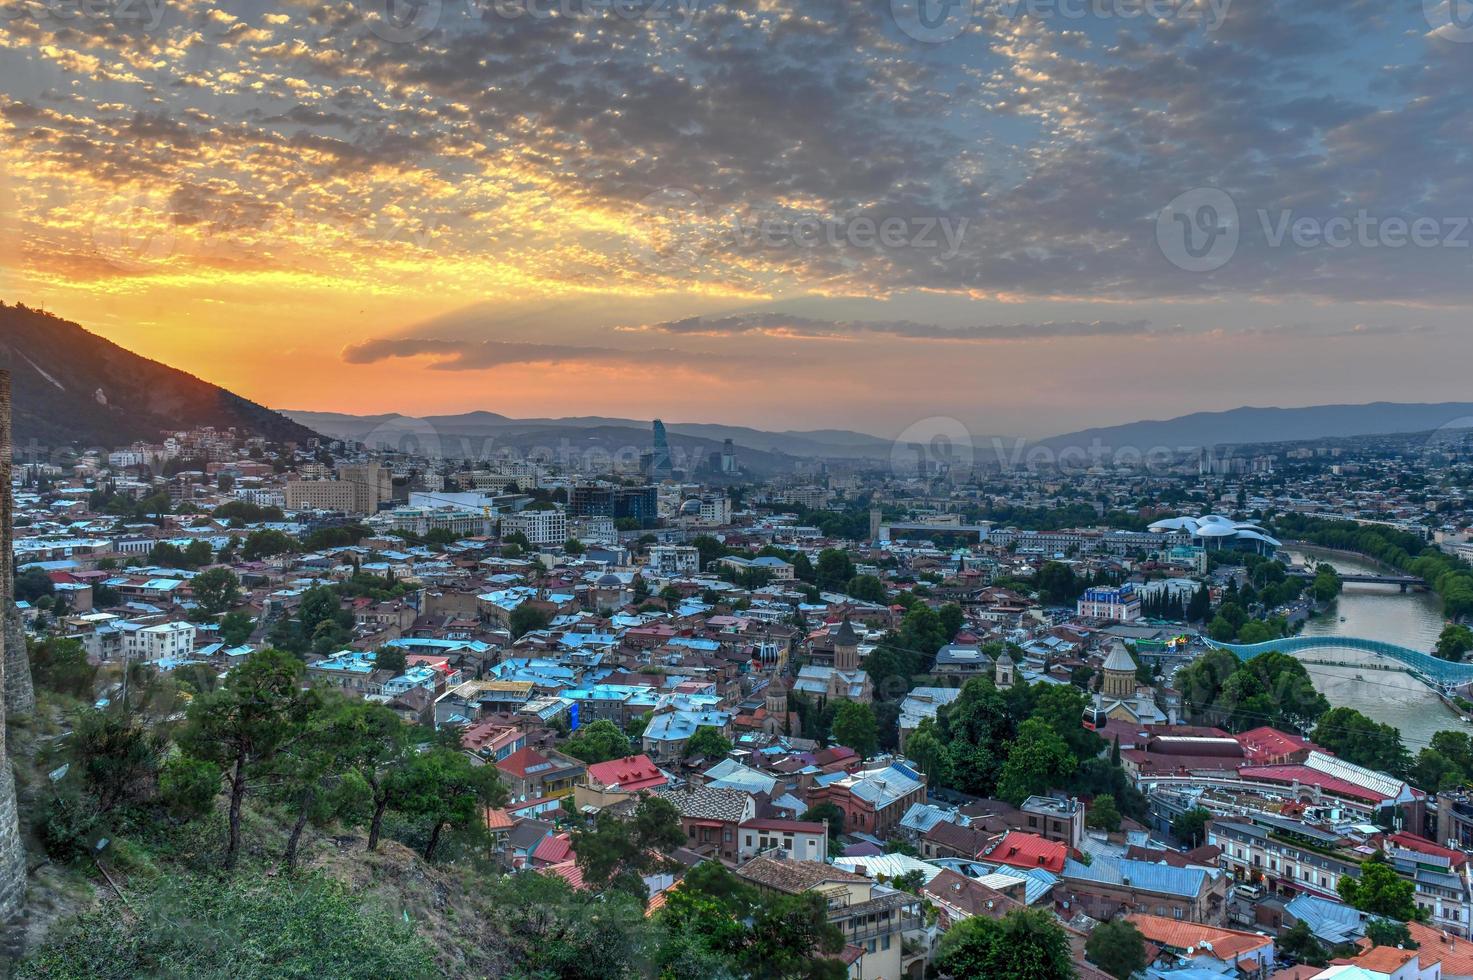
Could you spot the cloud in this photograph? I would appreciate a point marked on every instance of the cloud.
(783, 325)
(485, 355)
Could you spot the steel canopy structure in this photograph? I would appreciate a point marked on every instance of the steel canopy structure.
(1441, 674)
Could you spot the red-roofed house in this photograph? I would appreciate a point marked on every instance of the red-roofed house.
(611, 782)
(492, 741)
(1186, 942)
(531, 775)
(1267, 746)
(552, 850)
(1020, 850)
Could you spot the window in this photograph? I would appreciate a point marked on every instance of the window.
(885, 942)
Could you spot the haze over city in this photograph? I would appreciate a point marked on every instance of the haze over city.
(677, 212)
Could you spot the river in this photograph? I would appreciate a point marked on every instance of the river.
(1380, 612)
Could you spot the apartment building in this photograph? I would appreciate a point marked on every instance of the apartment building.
(540, 527)
(166, 641)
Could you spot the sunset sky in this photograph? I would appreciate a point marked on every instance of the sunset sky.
(472, 205)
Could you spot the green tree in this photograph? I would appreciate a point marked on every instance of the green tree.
(198, 553)
(1389, 932)
(32, 584)
(1191, 827)
(215, 590)
(443, 788)
(236, 628)
(61, 665)
(188, 786)
(715, 924)
(833, 570)
(117, 754)
(253, 717)
(1103, 814)
(1062, 708)
(167, 555)
(1381, 891)
(381, 745)
(1037, 761)
(866, 588)
(854, 726)
(1356, 738)
(1026, 944)
(707, 743)
(925, 749)
(1302, 946)
(391, 658)
(616, 853)
(1454, 642)
(598, 742)
(528, 617)
(267, 544)
(1117, 947)
(1057, 584)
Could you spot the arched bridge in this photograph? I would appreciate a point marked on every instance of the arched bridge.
(1441, 674)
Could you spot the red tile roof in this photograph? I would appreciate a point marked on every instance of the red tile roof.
(1266, 745)
(553, 850)
(1022, 850)
(1226, 944)
(568, 871)
(1311, 777)
(520, 761)
(1455, 954)
(630, 774)
(1424, 846)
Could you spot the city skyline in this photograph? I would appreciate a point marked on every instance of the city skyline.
(1031, 218)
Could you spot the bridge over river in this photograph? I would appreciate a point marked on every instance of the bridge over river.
(1442, 675)
(1350, 578)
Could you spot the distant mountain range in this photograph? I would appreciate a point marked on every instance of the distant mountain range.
(477, 435)
(73, 388)
(1249, 426)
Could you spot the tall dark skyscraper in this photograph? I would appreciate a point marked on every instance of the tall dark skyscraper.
(657, 460)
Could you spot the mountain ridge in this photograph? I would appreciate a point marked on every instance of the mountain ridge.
(1251, 425)
(71, 386)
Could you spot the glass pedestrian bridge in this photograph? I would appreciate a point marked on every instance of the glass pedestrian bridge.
(1441, 674)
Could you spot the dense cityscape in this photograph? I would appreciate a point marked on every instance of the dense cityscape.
(819, 723)
(704, 490)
